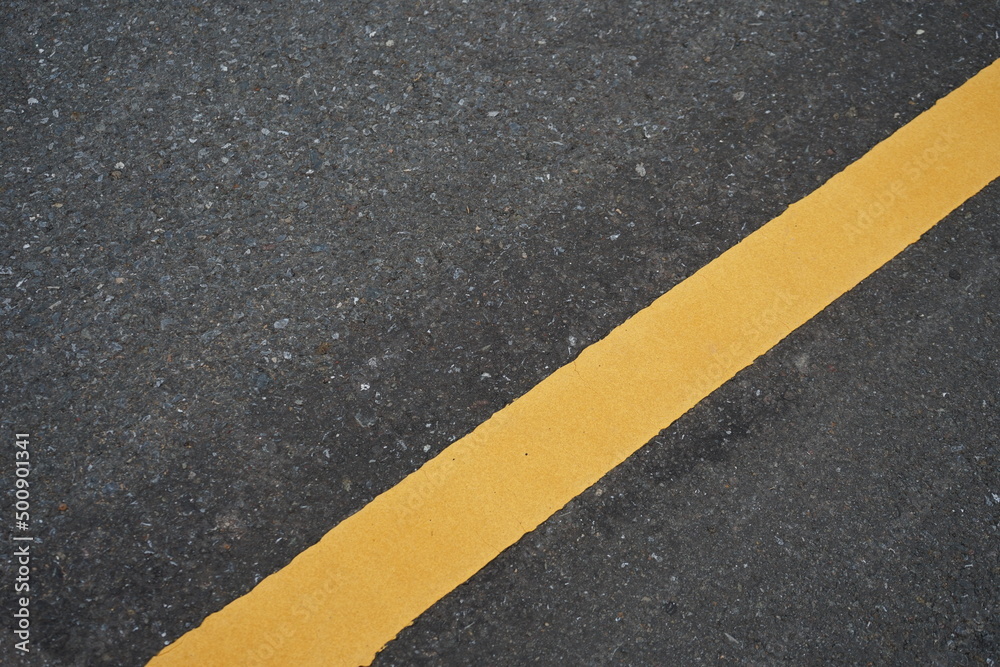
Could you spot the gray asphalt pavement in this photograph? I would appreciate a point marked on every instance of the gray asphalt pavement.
(263, 260)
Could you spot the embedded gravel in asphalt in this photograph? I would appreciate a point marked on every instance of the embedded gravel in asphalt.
(263, 260)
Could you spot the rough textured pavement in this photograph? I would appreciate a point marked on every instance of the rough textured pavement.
(262, 260)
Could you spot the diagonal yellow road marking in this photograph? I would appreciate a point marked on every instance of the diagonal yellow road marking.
(344, 598)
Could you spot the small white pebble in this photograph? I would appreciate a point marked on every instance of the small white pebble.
(32, 100)
(640, 169)
(390, 42)
(119, 165)
(920, 31)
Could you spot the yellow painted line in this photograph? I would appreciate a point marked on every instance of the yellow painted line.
(343, 599)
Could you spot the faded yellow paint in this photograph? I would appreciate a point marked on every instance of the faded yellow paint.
(343, 599)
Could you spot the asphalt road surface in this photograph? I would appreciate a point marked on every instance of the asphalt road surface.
(263, 260)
